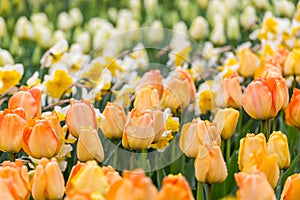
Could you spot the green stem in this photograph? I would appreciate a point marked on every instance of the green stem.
(228, 150)
(262, 125)
(200, 194)
(144, 159)
(268, 128)
(115, 154)
(12, 157)
(132, 160)
(208, 191)
(294, 84)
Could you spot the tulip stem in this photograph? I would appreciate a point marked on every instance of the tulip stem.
(200, 194)
(228, 150)
(115, 154)
(132, 160)
(12, 157)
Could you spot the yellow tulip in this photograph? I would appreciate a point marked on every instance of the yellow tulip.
(147, 99)
(278, 144)
(248, 62)
(48, 181)
(248, 145)
(226, 120)
(291, 188)
(291, 64)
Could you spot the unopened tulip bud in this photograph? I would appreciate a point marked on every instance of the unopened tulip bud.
(6, 58)
(233, 28)
(2, 27)
(65, 21)
(248, 62)
(156, 32)
(24, 29)
(147, 99)
(84, 40)
(76, 15)
(199, 28)
(292, 112)
(217, 35)
(291, 65)
(291, 188)
(226, 120)
(285, 8)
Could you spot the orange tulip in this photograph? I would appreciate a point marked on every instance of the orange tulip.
(89, 146)
(157, 117)
(292, 62)
(139, 131)
(29, 100)
(230, 92)
(147, 99)
(248, 62)
(7, 191)
(226, 120)
(280, 56)
(134, 185)
(264, 98)
(253, 186)
(48, 181)
(210, 166)
(152, 79)
(16, 174)
(12, 125)
(248, 145)
(175, 187)
(268, 69)
(40, 139)
(80, 114)
(81, 195)
(87, 178)
(115, 118)
(111, 175)
(292, 112)
(179, 91)
(291, 188)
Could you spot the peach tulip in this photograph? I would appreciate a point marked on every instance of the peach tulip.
(157, 117)
(292, 112)
(248, 145)
(226, 120)
(268, 69)
(12, 125)
(40, 139)
(89, 146)
(48, 181)
(291, 188)
(278, 145)
(29, 100)
(88, 178)
(115, 118)
(138, 131)
(111, 175)
(134, 185)
(280, 56)
(7, 191)
(147, 99)
(16, 174)
(264, 98)
(292, 62)
(253, 186)
(210, 166)
(175, 187)
(248, 62)
(230, 92)
(80, 114)
(152, 79)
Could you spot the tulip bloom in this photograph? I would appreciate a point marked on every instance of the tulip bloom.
(134, 185)
(158, 123)
(80, 114)
(12, 125)
(292, 112)
(230, 92)
(278, 145)
(88, 178)
(226, 120)
(253, 186)
(292, 62)
(40, 138)
(89, 146)
(139, 131)
(248, 62)
(48, 181)
(264, 98)
(179, 91)
(152, 79)
(248, 145)
(29, 100)
(115, 118)
(280, 56)
(111, 175)
(6, 191)
(16, 175)
(175, 187)
(268, 69)
(264, 163)
(291, 188)
(147, 99)
(210, 166)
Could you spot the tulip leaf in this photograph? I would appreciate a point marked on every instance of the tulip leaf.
(189, 173)
(293, 140)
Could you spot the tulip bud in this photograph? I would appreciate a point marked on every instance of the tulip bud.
(43, 36)
(5, 58)
(80, 114)
(40, 138)
(264, 163)
(284, 8)
(24, 29)
(280, 56)
(261, 4)
(210, 166)
(268, 69)
(138, 131)
(147, 99)
(199, 28)
(18, 174)
(264, 98)
(217, 35)
(152, 79)
(226, 120)
(65, 21)
(157, 117)
(134, 185)
(39, 19)
(292, 112)
(89, 146)
(150, 6)
(76, 15)
(175, 187)
(248, 62)
(111, 175)
(2, 28)
(27, 99)
(12, 125)
(230, 92)
(156, 32)
(278, 145)
(248, 145)
(115, 118)
(233, 28)
(84, 40)
(253, 186)
(291, 188)
(88, 178)
(48, 181)
(291, 63)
